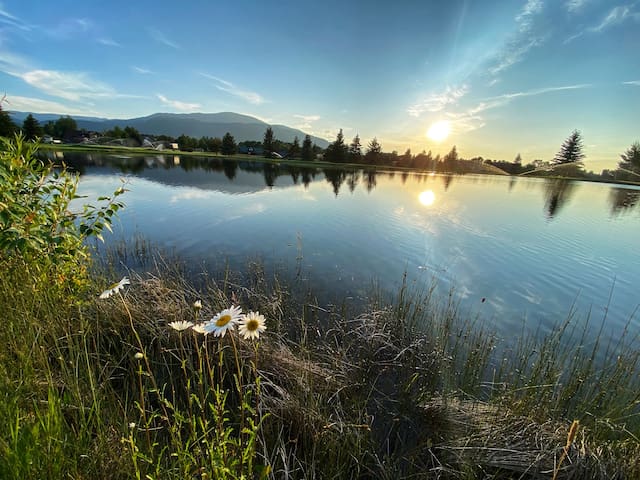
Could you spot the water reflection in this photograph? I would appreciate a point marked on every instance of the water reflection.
(427, 198)
(623, 200)
(557, 194)
(241, 176)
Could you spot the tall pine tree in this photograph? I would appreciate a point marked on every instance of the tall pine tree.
(571, 150)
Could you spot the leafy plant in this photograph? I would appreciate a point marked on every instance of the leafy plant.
(37, 222)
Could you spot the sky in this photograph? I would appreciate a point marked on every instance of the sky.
(507, 77)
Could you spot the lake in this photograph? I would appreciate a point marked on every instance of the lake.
(514, 249)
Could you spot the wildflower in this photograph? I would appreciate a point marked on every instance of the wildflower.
(181, 325)
(115, 288)
(197, 305)
(252, 325)
(139, 356)
(223, 321)
(132, 425)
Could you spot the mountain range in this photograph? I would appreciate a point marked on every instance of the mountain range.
(242, 127)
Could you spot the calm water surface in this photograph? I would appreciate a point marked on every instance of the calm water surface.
(531, 248)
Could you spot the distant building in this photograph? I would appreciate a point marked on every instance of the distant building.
(174, 146)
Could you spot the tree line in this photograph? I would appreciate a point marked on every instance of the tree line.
(569, 157)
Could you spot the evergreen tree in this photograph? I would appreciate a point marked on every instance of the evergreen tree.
(31, 128)
(294, 151)
(214, 144)
(518, 159)
(337, 151)
(571, 150)
(268, 146)
(229, 146)
(307, 149)
(631, 158)
(355, 150)
(450, 160)
(7, 127)
(374, 151)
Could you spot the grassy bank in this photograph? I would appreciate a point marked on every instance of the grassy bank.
(105, 388)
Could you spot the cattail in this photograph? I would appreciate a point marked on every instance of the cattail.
(571, 436)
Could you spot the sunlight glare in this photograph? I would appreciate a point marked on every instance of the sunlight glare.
(439, 131)
(427, 198)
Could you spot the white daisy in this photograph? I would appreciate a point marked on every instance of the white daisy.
(223, 321)
(181, 325)
(197, 305)
(252, 325)
(115, 288)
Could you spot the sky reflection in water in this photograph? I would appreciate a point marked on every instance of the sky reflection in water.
(530, 247)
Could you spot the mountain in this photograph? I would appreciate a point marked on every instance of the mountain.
(242, 127)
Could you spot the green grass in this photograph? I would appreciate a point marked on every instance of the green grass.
(405, 388)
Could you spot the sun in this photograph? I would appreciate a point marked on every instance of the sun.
(439, 131)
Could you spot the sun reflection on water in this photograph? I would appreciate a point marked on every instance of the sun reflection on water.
(427, 198)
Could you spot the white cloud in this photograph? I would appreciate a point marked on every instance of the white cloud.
(525, 18)
(109, 42)
(472, 118)
(615, 16)
(67, 85)
(307, 121)
(70, 27)
(182, 106)
(11, 20)
(230, 88)
(522, 40)
(160, 37)
(37, 105)
(632, 82)
(436, 102)
(141, 70)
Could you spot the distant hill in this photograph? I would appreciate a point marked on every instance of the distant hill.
(242, 127)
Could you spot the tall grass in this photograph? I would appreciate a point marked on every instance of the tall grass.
(406, 388)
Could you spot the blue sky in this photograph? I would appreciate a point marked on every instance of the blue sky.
(509, 77)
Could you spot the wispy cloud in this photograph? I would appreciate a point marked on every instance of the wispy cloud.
(160, 37)
(67, 85)
(632, 82)
(12, 21)
(70, 27)
(575, 6)
(230, 88)
(307, 122)
(109, 42)
(178, 105)
(37, 105)
(616, 16)
(522, 40)
(436, 102)
(141, 70)
(472, 118)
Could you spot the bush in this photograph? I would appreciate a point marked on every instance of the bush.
(38, 228)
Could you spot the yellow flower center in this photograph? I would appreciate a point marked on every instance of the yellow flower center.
(252, 325)
(223, 320)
